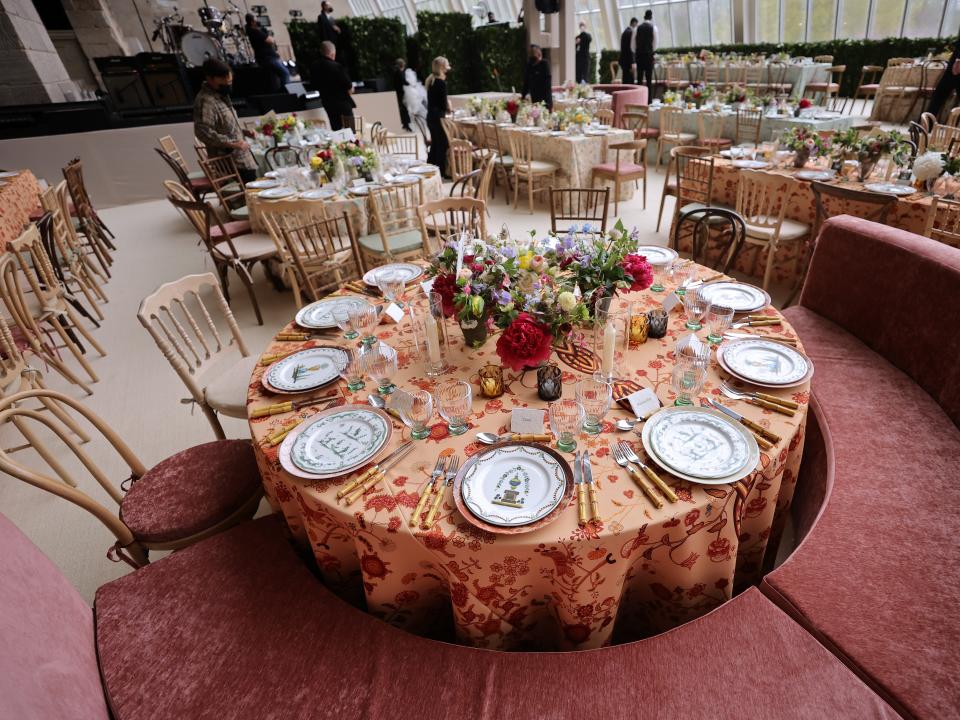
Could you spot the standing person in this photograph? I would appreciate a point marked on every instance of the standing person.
(399, 82)
(415, 100)
(491, 18)
(628, 53)
(536, 78)
(333, 81)
(329, 30)
(949, 82)
(215, 122)
(646, 46)
(437, 108)
(265, 51)
(583, 41)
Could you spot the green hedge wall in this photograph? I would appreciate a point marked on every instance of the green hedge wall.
(449, 35)
(503, 48)
(370, 48)
(852, 53)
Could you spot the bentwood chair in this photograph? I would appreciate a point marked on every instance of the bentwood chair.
(631, 168)
(762, 201)
(711, 124)
(226, 183)
(579, 206)
(395, 232)
(449, 218)
(943, 221)
(66, 267)
(503, 167)
(749, 124)
(867, 85)
(44, 303)
(192, 344)
(716, 228)
(466, 186)
(671, 131)
(279, 216)
(528, 170)
(73, 174)
(953, 117)
(187, 497)
(324, 254)
(283, 156)
(229, 247)
(459, 159)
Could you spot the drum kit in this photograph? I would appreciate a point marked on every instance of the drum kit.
(223, 37)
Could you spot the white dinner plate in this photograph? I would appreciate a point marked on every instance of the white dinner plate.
(325, 193)
(306, 370)
(513, 485)
(424, 169)
(657, 255)
(337, 442)
(364, 190)
(408, 179)
(319, 315)
(766, 361)
(702, 445)
(557, 133)
(9, 173)
(410, 272)
(750, 164)
(594, 133)
(888, 188)
(263, 184)
(739, 296)
(821, 175)
(276, 193)
(271, 174)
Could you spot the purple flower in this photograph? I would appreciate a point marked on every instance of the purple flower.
(501, 296)
(566, 242)
(507, 251)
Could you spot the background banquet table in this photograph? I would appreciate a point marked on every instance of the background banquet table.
(19, 197)
(796, 74)
(909, 213)
(561, 102)
(770, 128)
(560, 586)
(355, 206)
(458, 102)
(894, 99)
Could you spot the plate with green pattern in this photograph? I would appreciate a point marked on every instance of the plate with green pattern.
(306, 370)
(335, 442)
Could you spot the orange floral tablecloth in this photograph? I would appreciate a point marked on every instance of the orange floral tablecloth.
(908, 213)
(19, 196)
(561, 586)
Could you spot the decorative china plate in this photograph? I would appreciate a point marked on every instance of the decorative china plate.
(424, 169)
(263, 184)
(750, 164)
(410, 272)
(657, 255)
(271, 174)
(405, 179)
(326, 193)
(821, 175)
(364, 189)
(704, 440)
(306, 370)
(739, 296)
(319, 315)
(512, 486)
(888, 188)
(335, 442)
(766, 361)
(276, 193)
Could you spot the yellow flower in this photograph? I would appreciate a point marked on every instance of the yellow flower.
(525, 260)
(315, 162)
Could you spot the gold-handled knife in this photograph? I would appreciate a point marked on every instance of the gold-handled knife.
(759, 432)
(359, 480)
(582, 518)
(379, 471)
(587, 471)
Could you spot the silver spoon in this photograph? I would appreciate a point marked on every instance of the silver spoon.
(376, 401)
(625, 424)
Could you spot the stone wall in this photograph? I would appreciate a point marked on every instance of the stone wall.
(32, 69)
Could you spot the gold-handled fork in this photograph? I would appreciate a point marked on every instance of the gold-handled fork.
(769, 402)
(628, 453)
(450, 475)
(622, 461)
(431, 485)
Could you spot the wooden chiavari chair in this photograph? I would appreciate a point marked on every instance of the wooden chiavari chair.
(55, 199)
(226, 183)
(73, 174)
(711, 124)
(503, 167)
(942, 137)
(198, 188)
(943, 221)
(895, 86)
(671, 131)
(324, 254)
(528, 170)
(579, 205)
(630, 169)
(401, 145)
(354, 122)
(753, 75)
(449, 218)
(677, 77)
(604, 116)
(169, 146)
(776, 83)
(829, 91)
(279, 216)
(395, 228)
(867, 85)
(459, 159)
(749, 124)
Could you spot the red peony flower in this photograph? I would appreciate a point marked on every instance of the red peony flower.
(446, 285)
(639, 270)
(267, 129)
(524, 343)
(804, 103)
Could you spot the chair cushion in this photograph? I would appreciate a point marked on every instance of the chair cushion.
(506, 160)
(235, 627)
(240, 213)
(871, 86)
(228, 393)
(871, 577)
(233, 228)
(610, 168)
(48, 659)
(649, 132)
(789, 230)
(715, 142)
(248, 247)
(407, 241)
(536, 166)
(823, 87)
(197, 175)
(678, 137)
(191, 491)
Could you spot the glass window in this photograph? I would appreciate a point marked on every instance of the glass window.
(768, 20)
(951, 19)
(362, 7)
(681, 24)
(923, 18)
(823, 15)
(794, 21)
(887, 18)
(665, 36)
(852, 21)
(721, 22)
(699, 22)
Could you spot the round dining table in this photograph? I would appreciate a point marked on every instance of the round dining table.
(563, 586)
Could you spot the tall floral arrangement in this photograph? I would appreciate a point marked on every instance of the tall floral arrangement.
(277, 126)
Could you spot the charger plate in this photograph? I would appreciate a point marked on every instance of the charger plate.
(764, 361)
(335, 442)
(319, 315)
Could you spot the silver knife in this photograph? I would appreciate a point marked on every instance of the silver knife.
(591, 488)
(582, 509)
(765, 439)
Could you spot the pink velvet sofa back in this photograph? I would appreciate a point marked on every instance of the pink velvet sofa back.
(897, 297)
(48, 661)
(627, 95)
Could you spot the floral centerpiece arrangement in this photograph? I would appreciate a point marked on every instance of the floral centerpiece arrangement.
(513, 107)
(275, 128)
(738, 94)
(872, 147)
(670, 97)
(697, 93)
(802, 105)
(530, 113)
(476, 105)
(929, 167)
(577, 118)
(326, 163)
(805, 144)
(351, 156)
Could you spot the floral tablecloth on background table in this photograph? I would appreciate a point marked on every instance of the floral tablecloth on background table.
(19, 197)
(561, 586)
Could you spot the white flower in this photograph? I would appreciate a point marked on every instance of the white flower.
(464, 274)
(928, 166)
(567, 301)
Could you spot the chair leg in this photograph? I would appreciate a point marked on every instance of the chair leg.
(616, 195)
(530, 192)
(516, 190)
(72, 347)
(768, 272)
(644, 188)
(86, 333)
(663, 201)
(214, 421)
(247, 279)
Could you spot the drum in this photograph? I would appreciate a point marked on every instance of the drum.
(197, 47)
(211, 18)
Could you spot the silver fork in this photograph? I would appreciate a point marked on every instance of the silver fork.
(451, 474)
(622, 461)
(431, 483)
(630, 455)
(770, 402)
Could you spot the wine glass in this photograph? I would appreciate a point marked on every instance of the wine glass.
(341, 315)
(681, 274)
(363, 317)
(595, 397)
(694, 304)
(687, 381)
(352, 370)
(718, 319)
(454, 402)
(659, 271)
(415, 409)
(566, 419)
(380, 363)
(392, 284)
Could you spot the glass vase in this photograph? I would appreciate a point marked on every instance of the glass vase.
(611, 336)
(430, 333)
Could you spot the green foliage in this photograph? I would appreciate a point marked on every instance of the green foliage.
(449, 35)
(501, 48)
(606, 57)
(305, 40)
(592, 69)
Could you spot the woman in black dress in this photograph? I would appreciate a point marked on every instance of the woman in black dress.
(437, 107)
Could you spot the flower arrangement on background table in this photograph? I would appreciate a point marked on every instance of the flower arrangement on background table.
(805, 143)
(929, 167)
(697, 93)
(349, 157)
(276, 127)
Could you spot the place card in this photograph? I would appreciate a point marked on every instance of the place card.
(394, 312)
(671, 301)
(427, 286)
(643, 402)
(526, 420)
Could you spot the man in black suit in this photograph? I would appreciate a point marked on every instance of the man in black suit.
(536, 78)
(329, 30)
(949, 82)
(628, 52)
(646, 44)
(332, 80)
